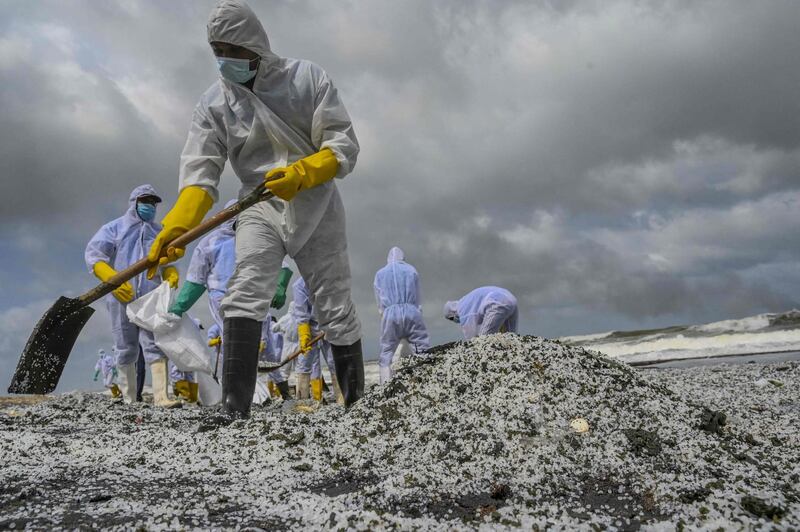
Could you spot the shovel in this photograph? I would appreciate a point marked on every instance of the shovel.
(43, 359)
(272, 367)
(216, 364)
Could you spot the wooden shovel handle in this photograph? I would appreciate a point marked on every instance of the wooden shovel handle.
(259, 194)
(296, 354)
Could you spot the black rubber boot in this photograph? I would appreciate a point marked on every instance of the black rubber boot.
(283, 389)
(241, 338)
(349, 363)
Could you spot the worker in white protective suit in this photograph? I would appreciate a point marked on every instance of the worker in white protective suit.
(308, 367)
(184, 383)
(210, 268)
(397, 293)
(485, 310)
(281, 124)
(278, 379)
(105, 365)
(286, 328)
(116, 246)
(269, 354)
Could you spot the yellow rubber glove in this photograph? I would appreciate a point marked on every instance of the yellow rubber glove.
(170, 275)
(261, 345)
(214, 341)
(304, 335)
(104, 272)
(192, 205)
(306, 173)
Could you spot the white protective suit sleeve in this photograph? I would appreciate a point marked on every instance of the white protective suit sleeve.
(302, 312)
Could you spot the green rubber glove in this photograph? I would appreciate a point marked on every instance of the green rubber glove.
(96, 374)
(188, 296)
(279, 299)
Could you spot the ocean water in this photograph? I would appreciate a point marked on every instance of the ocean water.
(763, 333)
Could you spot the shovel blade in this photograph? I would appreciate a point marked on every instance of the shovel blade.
(43, 359)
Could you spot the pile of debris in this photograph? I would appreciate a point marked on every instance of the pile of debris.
(515, 431)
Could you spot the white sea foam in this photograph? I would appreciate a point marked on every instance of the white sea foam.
(755, 334)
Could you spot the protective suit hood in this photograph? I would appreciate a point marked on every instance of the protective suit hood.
(142, 190)
(233, 22)
(395, 255)
(451, 310)
(131, 216)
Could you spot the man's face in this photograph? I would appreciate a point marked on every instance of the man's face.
(223, 49)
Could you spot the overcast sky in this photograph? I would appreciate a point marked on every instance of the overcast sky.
(615, 164)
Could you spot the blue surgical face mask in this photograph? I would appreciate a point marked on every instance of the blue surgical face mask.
(236, 70)
(146, 211)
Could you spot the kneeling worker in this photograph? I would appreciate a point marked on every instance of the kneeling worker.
(485, 310)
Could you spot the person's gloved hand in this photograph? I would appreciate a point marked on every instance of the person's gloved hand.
(96, 373)
(304, 336)
(192, 205)
(124, 293)
(188, 296)
(214, 341)
(279, 299)
(170, 275)
(287, 181)
(262, 345)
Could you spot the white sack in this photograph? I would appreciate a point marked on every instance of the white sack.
(178, 337)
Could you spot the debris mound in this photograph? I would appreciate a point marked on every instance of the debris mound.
(503, 431)
(498, 411)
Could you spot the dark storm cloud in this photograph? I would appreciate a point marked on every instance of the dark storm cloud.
(612, 163)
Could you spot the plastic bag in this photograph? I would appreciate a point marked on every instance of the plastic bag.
(150, 310)
(178, 337)
(208, 390)
(261, 393)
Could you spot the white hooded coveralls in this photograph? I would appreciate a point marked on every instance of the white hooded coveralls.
(397, 294)
(485, 310)
(303, 311)
(292, 111)
(120, 243)
(105, 365)
(286, 327)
